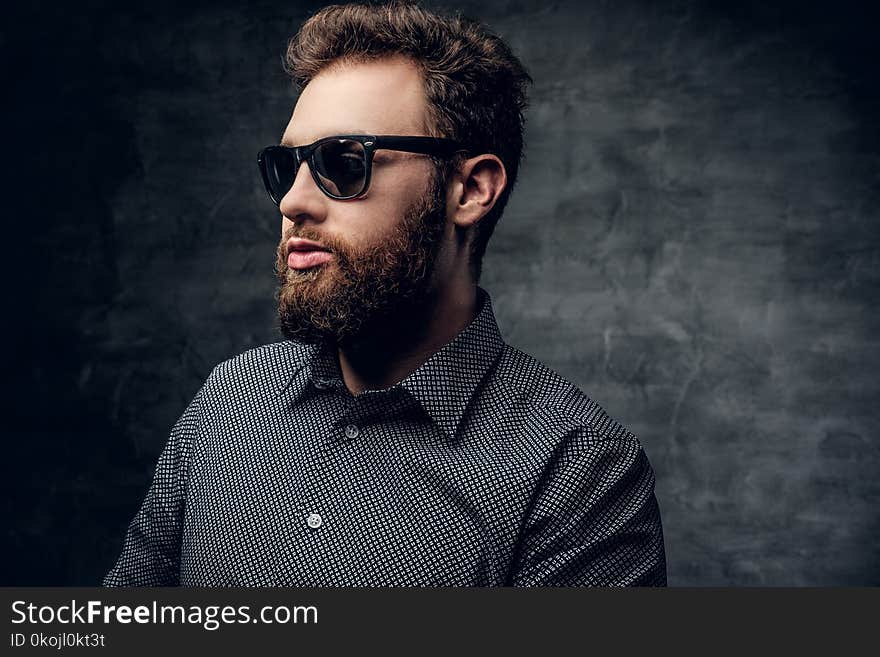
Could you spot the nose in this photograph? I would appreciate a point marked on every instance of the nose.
(303, 201)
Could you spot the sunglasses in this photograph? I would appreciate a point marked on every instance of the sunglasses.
(340, 165)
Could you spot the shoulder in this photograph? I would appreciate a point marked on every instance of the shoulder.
(548, 394)
(266, 367)
(267, 355)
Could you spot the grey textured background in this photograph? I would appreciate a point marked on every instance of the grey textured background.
(693, 241)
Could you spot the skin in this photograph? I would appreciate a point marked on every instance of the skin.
(387, 96)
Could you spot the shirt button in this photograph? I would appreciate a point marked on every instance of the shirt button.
(352, 432)
(323, 384)
(314, 520)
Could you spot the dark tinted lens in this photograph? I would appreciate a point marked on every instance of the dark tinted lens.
(341, 165)
(279, 171)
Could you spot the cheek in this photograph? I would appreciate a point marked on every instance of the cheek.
(371, 218)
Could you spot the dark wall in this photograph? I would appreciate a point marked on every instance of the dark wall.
(693, 241)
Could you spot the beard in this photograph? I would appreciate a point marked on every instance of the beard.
(365, 292)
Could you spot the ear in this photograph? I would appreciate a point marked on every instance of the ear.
(474, 188)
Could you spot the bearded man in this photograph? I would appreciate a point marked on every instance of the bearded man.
(393, 438)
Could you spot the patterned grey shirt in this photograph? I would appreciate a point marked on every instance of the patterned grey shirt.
(480, 468)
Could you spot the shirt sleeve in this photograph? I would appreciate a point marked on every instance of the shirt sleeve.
(595, 520)
(151, 552)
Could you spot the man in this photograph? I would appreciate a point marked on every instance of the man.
(394, 438)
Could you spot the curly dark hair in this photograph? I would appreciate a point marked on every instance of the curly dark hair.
(475, 86)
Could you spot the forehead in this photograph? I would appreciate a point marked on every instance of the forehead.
(385, 96)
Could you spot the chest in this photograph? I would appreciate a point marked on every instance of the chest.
(282, 508)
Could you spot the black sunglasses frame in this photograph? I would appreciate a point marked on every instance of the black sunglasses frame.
(436, 146)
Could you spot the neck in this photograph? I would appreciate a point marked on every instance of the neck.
(405, 342)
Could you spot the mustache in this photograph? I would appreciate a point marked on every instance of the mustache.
(301, 232)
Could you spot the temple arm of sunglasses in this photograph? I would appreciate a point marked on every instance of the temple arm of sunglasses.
(426, 145)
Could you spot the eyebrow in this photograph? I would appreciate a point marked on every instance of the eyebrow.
(354, 131)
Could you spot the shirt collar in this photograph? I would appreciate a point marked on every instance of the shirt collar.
(446, 382)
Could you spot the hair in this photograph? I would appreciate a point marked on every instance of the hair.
(475, 86)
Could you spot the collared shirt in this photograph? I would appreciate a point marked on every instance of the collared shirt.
(481, 468)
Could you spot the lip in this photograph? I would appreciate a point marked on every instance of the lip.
(300, 244)
(306, 259)
(303, 254)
